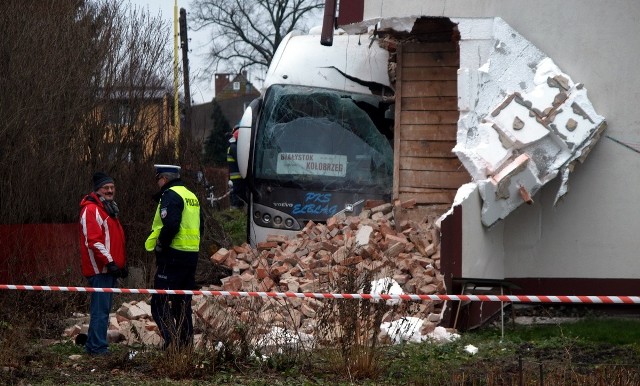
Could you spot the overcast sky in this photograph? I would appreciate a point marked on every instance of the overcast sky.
(201, 89)
(201, 86)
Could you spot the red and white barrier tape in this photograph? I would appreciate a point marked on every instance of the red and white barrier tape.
(473, 298)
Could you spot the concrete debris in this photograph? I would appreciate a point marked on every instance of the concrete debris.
(522, 120)
(471, 349)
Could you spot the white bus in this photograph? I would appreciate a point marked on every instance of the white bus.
(319, 139)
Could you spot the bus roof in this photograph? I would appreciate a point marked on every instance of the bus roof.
(353, 63)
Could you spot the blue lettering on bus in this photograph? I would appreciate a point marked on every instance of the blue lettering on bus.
(313, 204)
(323, 198)
(314, 209)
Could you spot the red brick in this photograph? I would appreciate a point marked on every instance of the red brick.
(220, 256)
(266, 245)
(267, 284)
(261, 272)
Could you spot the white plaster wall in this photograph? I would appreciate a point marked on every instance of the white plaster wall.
(482, 249)
(592, 231)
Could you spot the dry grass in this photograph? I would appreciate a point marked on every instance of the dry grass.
(349, 332)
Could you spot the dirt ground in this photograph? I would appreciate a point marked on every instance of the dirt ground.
(54, 363)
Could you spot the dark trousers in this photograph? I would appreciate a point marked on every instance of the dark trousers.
(238, 193)
(172, 313)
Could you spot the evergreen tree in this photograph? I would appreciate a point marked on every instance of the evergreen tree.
(215, 147)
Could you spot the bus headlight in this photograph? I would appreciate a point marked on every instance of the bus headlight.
(265, 216)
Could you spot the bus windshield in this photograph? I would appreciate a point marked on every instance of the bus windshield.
(314, 138)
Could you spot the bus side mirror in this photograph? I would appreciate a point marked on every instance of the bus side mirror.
(245, 135)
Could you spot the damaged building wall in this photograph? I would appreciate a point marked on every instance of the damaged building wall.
(589, 233)
(522, 122)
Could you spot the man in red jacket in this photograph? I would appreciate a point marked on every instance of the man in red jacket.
(103, 256)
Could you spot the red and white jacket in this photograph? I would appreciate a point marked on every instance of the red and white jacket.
(101, 237)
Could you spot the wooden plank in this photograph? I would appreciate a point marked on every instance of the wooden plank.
(430, 73)
(425, 169)
(408, 189)
(429, 103)
(429, 117)
(428, 132)
(424, 212)
(428, 179)
(430, 47)
(427, 148)
(442, 196)
(431, 164)
(430, 88)
(396, 125)
(431, 59)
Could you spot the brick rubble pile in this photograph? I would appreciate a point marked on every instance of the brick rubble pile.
(378, 243)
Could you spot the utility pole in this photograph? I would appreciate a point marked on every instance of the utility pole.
(176, 104)
(184, 44)
(328, 22)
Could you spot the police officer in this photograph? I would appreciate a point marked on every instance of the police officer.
(175, 238)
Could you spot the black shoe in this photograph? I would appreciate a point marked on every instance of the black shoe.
(81, 339)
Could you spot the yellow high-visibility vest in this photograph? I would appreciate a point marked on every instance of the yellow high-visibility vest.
(188, 237)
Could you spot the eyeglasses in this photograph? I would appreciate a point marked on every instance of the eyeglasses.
(108, 187)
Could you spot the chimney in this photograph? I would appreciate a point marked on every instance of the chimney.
(221, 81)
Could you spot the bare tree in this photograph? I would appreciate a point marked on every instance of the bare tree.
(77, 77)
(133, 77)
(84, 87)
(247, 33)
(67, 63)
